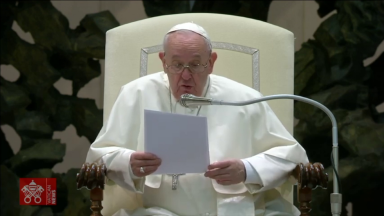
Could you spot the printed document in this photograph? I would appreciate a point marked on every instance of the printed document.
(181, 141)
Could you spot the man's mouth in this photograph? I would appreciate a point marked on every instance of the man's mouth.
(187, 87)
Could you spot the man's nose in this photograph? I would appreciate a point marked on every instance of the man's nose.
(186, 74)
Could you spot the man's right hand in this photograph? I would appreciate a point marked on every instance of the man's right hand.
(149, 163)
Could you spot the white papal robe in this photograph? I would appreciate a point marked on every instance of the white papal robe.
(251, 133)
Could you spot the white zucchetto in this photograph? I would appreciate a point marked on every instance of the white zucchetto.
(190, 27)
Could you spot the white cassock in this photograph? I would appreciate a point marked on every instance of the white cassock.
(251, 133)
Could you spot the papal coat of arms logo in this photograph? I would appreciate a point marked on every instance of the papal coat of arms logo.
(32, 190)
(38, 191)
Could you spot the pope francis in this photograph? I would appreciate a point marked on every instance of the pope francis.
(252, 151)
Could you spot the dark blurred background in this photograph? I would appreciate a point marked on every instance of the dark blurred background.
(52, 89)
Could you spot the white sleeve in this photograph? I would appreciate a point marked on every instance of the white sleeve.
(119, 170)
(252, 177)
(267, 171)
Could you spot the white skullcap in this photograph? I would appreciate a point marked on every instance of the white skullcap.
(190, 27)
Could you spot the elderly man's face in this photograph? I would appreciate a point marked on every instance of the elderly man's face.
(187, 49)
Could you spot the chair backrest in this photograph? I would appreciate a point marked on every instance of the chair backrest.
(255, 53)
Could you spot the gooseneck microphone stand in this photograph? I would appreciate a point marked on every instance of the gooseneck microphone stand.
(189, 100)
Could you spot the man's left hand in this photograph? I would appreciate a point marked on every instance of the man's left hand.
(227, 172)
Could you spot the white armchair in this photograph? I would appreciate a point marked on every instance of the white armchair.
(251, 52)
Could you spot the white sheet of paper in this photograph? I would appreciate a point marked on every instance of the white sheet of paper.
(181, 141)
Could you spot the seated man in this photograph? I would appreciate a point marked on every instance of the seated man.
(252, 151)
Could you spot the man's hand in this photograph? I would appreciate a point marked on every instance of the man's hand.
(227, 172)
(149, 163)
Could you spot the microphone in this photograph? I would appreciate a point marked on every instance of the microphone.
(189, 100)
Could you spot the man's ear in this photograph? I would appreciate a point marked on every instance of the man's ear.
(161, 55)
(212, 61)
(162, 58)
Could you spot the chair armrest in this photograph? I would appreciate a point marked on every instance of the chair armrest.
(309, 177)
(92, 177)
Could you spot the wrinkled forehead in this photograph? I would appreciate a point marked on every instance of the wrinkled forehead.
(185, 36)
(186, 41)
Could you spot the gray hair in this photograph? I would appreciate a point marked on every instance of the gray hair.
(207, 41)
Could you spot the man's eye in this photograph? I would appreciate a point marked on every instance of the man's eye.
(177, 66)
